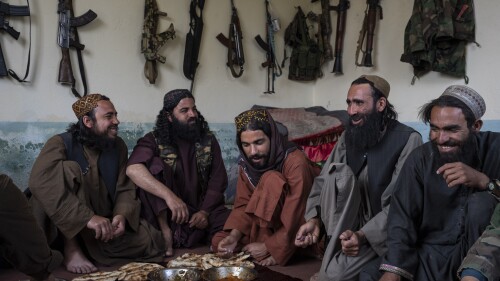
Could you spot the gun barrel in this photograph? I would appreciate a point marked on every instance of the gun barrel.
(3, 67)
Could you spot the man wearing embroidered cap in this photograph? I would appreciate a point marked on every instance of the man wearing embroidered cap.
(180, 173)
(83, 198)
(274, 180)
(350, 199)
(441, 204)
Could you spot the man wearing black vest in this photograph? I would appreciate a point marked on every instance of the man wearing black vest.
(83, 198)
(350, 199)
(180, 173)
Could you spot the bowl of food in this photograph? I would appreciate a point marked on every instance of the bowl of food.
(229, 273)
(175, 274)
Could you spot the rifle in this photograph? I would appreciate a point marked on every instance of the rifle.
(273, 67)
(5, 11)
(67, 37)
(234, 44)
(341, 10)
(325, 28)
(193, 40)
(151, 41)
(368, 30)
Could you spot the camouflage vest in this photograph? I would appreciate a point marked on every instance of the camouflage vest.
(305, 61)
(203, 156)
(436, 36)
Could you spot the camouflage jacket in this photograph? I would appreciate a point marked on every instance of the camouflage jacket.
(484, 255)
(436, 36)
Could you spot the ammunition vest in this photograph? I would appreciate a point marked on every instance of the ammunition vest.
(203, 156)
(305, 61)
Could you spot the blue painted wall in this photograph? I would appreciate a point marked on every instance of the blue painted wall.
(21, 142)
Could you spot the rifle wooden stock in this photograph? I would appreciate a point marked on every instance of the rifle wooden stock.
(339, 35)
(65, 69)
(370, 32)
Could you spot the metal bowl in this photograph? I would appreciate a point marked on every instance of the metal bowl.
(216, 273)
(175, 274)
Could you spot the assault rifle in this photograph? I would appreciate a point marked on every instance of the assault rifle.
(151, 41)
(368, 30)
(273, 67)
(341, 10)
(5, 11)
(234, 44)
(193, 40)
(67, 37)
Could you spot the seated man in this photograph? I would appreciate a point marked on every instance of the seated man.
(22, 243)
(482, 262)
(80, 190)
(439, 207)
(351, 197)
(181, 174)
(274, 180)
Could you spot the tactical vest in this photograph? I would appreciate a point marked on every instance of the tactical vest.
(107, 162)
(203, 156)
(305, 62)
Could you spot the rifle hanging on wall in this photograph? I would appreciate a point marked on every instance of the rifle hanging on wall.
(67, 37)
(234, 44)
(273, 67)
(341, 10)
(324, 29)
(151, 41)
(368, 31)
(7, 10)
(193, 40)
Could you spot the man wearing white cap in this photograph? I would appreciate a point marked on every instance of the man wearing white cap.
(441, 204)
(349, 200)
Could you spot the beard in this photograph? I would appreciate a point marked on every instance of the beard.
(366, 135)
(261, 165)
(187, 131)
(466, 153)
(99, 140)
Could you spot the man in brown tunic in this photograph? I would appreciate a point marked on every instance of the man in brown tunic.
(179, 169)
(22, 242)
(82, 194)
(274, 181)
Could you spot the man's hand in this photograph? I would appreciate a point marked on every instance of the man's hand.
(389, 276)
(102, 227)
(308, 233)
(351, 242)
(118, 224)
(257, 250)
(180, 213)
(458, 173)
(199, 220)
(228, 244)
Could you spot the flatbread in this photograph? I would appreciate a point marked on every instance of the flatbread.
(134, 271)
(210, 260)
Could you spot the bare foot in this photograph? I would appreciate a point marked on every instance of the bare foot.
(75, 260)
(268, 261)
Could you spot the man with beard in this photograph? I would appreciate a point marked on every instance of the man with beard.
(82, 197)
(273, 183)
(350, 199)
(440, 206)
(180, 173)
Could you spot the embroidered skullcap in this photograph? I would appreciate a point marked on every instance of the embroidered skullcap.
(172, 98)
(85, 104)
(379, 83)
(249, 116)
(468, 96)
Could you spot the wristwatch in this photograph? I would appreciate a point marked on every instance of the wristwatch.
(494, 187)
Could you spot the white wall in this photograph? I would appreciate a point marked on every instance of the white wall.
(114, 63)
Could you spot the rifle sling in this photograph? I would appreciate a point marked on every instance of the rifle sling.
(20, 10)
